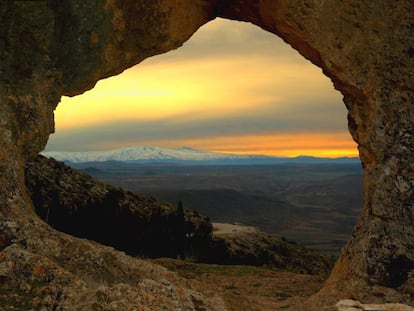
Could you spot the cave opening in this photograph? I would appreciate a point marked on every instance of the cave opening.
(361, 47)
(231, 88)
(230, 80)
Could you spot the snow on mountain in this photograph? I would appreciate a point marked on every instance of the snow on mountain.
(143, 154)
(156, 154)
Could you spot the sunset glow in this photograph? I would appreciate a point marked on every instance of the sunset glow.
(262, 98)
(289, 145)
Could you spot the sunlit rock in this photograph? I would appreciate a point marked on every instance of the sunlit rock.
(352, 305)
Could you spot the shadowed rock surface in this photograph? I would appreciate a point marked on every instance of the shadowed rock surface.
(53, 48)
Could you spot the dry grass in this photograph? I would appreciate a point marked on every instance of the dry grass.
(247, 288)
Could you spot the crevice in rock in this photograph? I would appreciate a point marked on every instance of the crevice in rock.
(398, 271)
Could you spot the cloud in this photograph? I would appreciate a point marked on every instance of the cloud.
(282, 144)
(195, 126)
(229, 83)
(226, 39)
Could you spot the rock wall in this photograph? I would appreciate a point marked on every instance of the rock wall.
(63, 47)
(366, 48)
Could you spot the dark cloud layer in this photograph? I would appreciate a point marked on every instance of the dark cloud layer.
(259, 122)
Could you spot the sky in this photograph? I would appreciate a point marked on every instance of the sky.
(231, 88)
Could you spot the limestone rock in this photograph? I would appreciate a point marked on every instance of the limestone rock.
(31, 281)
(352, 305)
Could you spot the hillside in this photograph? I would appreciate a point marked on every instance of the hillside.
(237, 244)
(74, 203)
(228, 205)
(320, 214)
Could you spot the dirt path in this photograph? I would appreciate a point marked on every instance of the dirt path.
(225, 228)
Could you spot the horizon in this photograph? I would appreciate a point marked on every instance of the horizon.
(194, 149)
(231, 88)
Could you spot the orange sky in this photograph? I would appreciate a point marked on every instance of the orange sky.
(231, 88)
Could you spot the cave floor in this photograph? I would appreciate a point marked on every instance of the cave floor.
(247, 288)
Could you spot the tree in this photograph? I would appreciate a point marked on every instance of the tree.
(181, 230)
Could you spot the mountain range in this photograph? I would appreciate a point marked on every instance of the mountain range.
(147, 154)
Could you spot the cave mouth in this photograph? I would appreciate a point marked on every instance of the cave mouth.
(274, 97)
(231, 81)
(51, 50)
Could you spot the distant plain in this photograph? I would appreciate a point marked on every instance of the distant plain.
(315, 205)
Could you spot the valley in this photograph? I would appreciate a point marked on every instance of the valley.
(313, 204)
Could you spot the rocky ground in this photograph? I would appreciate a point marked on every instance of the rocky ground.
(352, 305)
(54, 271)
(248, 288)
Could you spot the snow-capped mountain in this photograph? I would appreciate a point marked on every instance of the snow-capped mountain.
(157, 154)
(143, 154)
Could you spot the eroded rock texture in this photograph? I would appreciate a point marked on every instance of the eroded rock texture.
(51, 48)
(366, 49)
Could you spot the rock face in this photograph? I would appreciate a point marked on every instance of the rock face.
(352, 305)
(53, 48)
(73, 274)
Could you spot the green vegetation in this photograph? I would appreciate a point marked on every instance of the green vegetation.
(191, 270)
